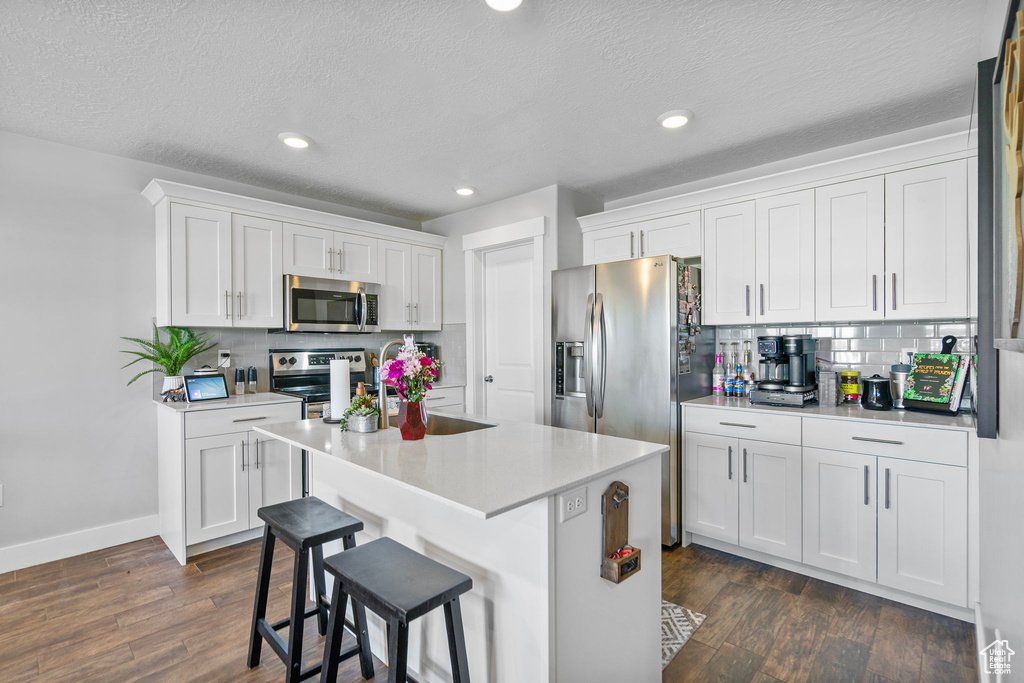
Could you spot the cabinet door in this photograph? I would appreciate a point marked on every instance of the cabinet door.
(849, 245)
(922, 529)
(785, 258)
(609, 244)
(770, 498)
(395, 271)
(200, 267)
(672, 235)
(926, 242)
(729, 264)
(355, 257)
(839, 512)
(216, 487)
(308, 251)
(256, 272)
(275, 474)
(712, 487)
(426, 285)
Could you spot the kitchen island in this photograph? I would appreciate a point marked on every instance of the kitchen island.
(487, 502)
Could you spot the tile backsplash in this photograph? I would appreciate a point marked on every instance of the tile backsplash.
(867, 348)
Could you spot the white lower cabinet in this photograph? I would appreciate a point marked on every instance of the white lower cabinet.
(712, 495)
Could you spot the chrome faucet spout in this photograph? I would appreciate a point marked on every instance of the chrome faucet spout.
(382, 393)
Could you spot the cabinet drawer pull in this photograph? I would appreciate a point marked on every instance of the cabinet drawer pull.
(894, 291)
(250, 419)
(730, 462)
(744, 465)
(257, 453)
(874, 292)
(762, 299)
(748, 300)
(239, 304)
(889, 441)
(227, 305)
(243, 455)
(631, 248)
(737, 424)
(887, 474)
(641, 244)
(330, 260)
(867, 474)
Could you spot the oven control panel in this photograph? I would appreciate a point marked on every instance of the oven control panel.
(312, 361)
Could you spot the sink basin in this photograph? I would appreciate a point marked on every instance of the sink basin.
(442, 425)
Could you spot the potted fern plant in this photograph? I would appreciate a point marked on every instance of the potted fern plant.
(181, 346)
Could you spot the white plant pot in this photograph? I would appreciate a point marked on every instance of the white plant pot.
(172, 383)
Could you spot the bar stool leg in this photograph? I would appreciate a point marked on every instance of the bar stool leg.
(297, 617)
(363, 636)
(320, 586)
(398, 652)
(335, 634)
(456, 641)
(259, 610)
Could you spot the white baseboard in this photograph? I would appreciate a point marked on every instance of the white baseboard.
(85, 541)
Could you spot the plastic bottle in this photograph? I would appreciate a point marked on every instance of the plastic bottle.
(749, 373)
(718, 376)
(739, 384)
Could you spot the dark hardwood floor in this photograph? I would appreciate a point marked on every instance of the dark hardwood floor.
(132, 612)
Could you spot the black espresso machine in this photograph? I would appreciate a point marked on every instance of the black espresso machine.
(787, 371)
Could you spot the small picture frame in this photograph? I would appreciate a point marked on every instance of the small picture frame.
(205, 388)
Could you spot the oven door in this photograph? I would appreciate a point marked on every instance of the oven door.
(321, 305)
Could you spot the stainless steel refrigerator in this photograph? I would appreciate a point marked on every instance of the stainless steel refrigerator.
(628, 347)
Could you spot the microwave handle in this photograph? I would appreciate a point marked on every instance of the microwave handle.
(362, 312)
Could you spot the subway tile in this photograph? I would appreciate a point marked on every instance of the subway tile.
(899, 344)
(881, 357)
(849, 332)
(865, 344)
(847, 357)
(827, 331)
(884, 330)
(839, 344)
(929, 345)
(911, 330)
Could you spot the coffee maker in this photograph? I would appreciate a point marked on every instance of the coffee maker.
(787, 371)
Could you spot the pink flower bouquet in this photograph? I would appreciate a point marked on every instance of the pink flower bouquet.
(410, 372)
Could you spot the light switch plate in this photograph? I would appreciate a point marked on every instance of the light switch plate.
(572, 504)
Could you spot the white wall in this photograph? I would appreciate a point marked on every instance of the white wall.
(77, 447)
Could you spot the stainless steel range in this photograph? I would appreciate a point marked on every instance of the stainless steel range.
(306, 373)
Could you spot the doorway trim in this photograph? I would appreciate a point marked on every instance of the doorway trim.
(475, 245)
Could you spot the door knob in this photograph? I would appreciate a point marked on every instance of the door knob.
(488, 379)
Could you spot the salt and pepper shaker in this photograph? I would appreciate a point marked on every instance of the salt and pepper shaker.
(239, 381)
(252, 379)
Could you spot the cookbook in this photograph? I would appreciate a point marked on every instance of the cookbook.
(936, 382)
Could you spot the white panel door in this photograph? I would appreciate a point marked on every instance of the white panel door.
(926, 242)
(849, 245)
(678, 236)
(355, 257)
(510, 363)
(785, 258)
(308, 252)
(729, 264)
(256, 272)
(839, 512)
(200, 267)
(426, 283)
(922, 529)
(216, 487)
(275, 474)
(609, 244)
(770, 505)
(395, 271)
(712, 486)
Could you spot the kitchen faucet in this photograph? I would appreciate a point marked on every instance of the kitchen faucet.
(382, 395)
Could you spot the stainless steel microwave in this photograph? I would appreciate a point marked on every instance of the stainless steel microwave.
(313, 304)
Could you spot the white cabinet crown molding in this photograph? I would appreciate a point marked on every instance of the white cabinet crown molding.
(707, 194)
(158, 190)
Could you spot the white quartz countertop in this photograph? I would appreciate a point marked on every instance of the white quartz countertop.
(960, 422)
(484, 472)
(265, 398)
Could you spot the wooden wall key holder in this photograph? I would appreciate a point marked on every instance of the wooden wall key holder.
(620, 560)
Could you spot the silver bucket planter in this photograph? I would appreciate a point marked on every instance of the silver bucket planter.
(362, 423)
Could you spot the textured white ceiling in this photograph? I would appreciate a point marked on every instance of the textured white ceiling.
(406, 98)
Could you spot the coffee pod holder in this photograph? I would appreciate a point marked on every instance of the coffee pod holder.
(620, 560)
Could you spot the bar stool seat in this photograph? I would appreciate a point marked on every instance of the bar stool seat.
(400, 585)
(304, 525)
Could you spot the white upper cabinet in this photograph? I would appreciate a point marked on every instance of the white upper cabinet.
(678, 235)
(849, 226)
(395, 269)
(926, 242)
(256, 271)
(200, 267)
(610, 244)
(426, 287)
(318, 252)
(785, 258)
(728, 275)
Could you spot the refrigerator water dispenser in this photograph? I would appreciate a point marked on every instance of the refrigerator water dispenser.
(569, 369)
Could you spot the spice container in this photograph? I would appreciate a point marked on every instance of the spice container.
(851, 386)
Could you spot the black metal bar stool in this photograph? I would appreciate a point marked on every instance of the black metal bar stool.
(400, 585)
(304, 525)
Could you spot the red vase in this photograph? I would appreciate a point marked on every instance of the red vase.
(412, 420)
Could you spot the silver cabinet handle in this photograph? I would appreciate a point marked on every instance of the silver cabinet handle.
(227, 305)
(631, 247)
(330, 259)
(730, 462)
(243, 455)
(641, 244)
(257, 453)
(894, 291)
(408, 313)
(874, 292)
(744, 465)
(250, 419)
(867, 474)
(737, 424)
(762, 298)
(239, 304)
(748, 299)
(489, 379)
(415, 313)
(887, 473)
(341, 260)
(864, 438)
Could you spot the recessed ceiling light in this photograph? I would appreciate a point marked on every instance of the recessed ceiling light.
(464, 191)
(503, 5)
(677, 118)
(294, 140)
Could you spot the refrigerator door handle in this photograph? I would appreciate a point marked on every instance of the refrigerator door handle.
(588, 356)
(602, 360)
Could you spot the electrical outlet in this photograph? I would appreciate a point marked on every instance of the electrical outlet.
(572, 504)
(223, 358)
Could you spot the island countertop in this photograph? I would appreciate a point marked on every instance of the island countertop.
(484, 472)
